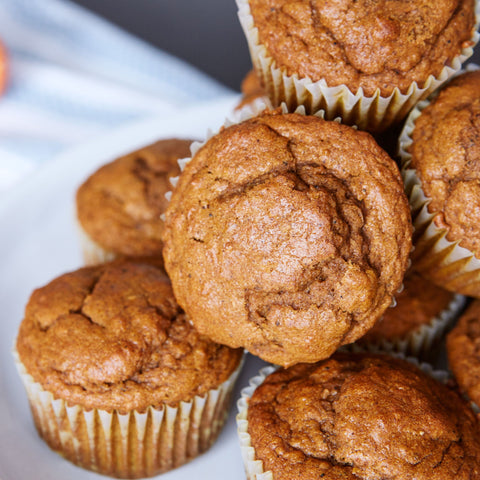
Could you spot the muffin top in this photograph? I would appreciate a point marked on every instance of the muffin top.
(417, 305)
(362, 417)
(287, 235)
(446, 155)
(363, 44)
(113, 337)
(463, 349)
(119, 206)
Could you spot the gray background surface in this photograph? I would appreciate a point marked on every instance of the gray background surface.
(206, 33)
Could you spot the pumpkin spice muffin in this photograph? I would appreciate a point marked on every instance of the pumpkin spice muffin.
(287, 235)
(107, 356)
(251, 85)
(422, 315)
(119, 206)
(441, 156)
(251, 89)
(357, 417)
(463, 349)
(385, 53)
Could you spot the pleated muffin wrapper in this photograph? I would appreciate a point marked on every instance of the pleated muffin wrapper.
(132, 445)
(253, 466)
(442, 261)
(421, 342)
(375, 113)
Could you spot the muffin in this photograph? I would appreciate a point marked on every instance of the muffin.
(251, 89)
(117, 379)
(367, 62)
(463, 352)
(357, 417)
(119, 206)
(288, 235)
(417, 323)
(441, 163)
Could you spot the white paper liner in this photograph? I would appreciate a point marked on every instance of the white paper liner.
(420, 341)
(254, 467)
(92, 252)
(442, 261)
(252, 108)
(375, 113)
(132, 445)
(259, 100)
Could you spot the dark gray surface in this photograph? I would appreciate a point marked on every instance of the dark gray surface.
(206, 33)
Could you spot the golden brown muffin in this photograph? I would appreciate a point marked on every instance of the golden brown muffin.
(112, 338)
(362, 417)
(463, 349)
(251, 85)
(417, 305)
(287, 235)
(251, 89)
(446, 155)
(119, 206)
(364, 44)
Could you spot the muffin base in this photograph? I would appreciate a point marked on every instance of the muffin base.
(375, 113)
(132, 445)
(420, 342)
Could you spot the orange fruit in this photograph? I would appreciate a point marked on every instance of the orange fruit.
(3, 68)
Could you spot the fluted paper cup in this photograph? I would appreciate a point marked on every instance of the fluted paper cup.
(420, 341)
(132, 445)
(442, 261)
(375, 113)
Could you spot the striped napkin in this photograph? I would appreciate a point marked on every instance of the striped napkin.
(73, 76)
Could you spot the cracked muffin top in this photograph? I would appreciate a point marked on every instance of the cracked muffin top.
(446, 155)
(418, 304)
(463, 349)
(119, 206)
(113, 337)
(287, 235)
(362, 43)
(362, 417)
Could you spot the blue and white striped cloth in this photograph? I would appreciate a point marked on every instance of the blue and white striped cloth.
(74, 75)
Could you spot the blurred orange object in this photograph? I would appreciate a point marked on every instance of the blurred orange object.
(3, 67)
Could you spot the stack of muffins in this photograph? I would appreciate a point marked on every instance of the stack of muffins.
(287, 233)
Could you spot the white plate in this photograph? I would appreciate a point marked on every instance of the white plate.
(37, 243)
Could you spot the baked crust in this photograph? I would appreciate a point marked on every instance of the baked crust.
(463, 350)
(119, 206)
(112, 337)
(363, 44)
(418, 304)
(251, 89)
(287, 235)
(359, 417)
